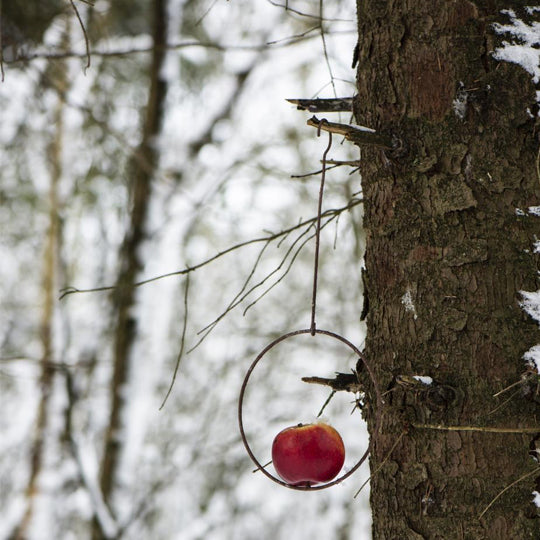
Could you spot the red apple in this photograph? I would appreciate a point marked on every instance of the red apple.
(308, 454)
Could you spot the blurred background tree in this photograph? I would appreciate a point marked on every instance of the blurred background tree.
(174, 146)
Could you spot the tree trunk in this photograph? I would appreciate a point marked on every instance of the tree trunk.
(47, 327)
(447, 254)
(141, 168)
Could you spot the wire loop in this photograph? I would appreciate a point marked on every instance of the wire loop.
(260, 467)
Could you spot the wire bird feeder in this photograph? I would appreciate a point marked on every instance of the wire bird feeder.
(313, 331)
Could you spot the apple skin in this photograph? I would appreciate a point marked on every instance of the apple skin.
(308, 454)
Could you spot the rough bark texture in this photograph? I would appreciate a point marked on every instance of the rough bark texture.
(142, 168)
(446, 257)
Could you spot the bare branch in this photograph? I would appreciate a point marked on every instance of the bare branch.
(206, 137)
(396, 442)
(182, 343)
(482, 429)
(86, 42)
(307, 15)
(50, 55)
(354, 202)
(334, 164)
(282, 276)
(347, 382)
(207, 329)
(325, 50)
(534, 471)
(323, 105)
(354, 134)
(295, 37)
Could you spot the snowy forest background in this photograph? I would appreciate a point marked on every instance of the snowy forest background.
(222, 186)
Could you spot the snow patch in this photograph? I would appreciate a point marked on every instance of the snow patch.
(532, 357)
(531, 305)
(459, 104)
(522, 47)
(406, 300)
(531, 211)
(536, 498)
(424, 379)
(363, 128)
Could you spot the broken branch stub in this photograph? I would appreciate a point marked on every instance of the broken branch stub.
(356, 135)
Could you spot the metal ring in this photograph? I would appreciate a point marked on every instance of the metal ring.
(241, 403)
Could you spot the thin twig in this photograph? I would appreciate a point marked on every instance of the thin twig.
(538, 164)
(483, 429)
(306, 175)
(501, 405)
(86, 42)
(336, 233)
(205, 14)
(169, 47)
(270, 237)
(350, 163)
(386, 458)
(534, 471)
(263, 467)
(1, 46)
(293, 259)
(307, 15)
(507, 388)
(182, 343)
(325, 50)
(332, 393)
(105, 519)
(294, 37)
(239, 298)
(212, 325)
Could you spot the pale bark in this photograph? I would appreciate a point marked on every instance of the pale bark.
(47, 329)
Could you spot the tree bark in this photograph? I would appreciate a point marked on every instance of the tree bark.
(141, 168)
(446, 257)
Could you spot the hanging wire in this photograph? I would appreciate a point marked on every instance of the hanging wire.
(313, 326)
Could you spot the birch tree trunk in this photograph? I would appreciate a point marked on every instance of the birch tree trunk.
(49, 292)
(447, 254)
